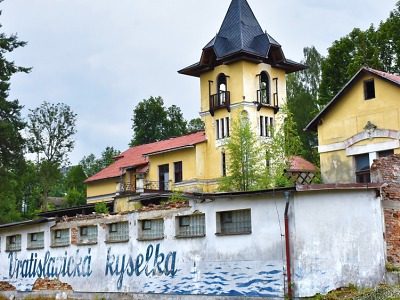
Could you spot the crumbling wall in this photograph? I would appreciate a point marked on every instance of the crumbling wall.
(387, 171)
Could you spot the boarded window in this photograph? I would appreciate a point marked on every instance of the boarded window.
(191, 226)
(13, 243)
(87, 234)
(234, 222)
(36, 240)
(60, 237)
(118, 232)
(151, 229)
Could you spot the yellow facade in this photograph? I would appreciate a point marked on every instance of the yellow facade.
(343, 133)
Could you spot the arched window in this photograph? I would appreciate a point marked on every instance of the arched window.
(221, 86)
(264, 88)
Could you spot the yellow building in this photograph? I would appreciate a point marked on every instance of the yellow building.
(241, 69)
(359, 124)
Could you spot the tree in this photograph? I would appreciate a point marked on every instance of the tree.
(51, 128)
(152, 122)
(91, 165)
(11, 141)
(244, 158)
(302, 100)
(284, 143)
(195, 125)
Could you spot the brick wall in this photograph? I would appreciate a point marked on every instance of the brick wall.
(5, 286)
(44, 284)
(387, 171)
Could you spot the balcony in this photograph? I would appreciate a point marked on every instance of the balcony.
(264, 100)
(220, 100)
(127, 188)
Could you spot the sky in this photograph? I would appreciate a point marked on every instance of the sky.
(102, 57)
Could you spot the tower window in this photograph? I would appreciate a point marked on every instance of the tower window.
(221, 85)
(369, 89)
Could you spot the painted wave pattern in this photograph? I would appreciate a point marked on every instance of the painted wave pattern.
(264, 280)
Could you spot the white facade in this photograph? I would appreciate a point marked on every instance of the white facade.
(335, 237)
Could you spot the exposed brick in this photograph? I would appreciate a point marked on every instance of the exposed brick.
(43, 284)
(5, 286)
(387, 170)
(74, 235)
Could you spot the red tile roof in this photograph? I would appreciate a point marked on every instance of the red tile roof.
(298, 163)
(137, 157)
(391, 77)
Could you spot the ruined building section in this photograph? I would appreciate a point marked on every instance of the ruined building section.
(387, 171)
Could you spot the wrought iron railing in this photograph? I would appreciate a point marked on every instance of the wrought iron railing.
(157, 185)
(127, 187)
(263, 99)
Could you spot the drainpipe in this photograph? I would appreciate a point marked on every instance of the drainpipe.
(289, 280)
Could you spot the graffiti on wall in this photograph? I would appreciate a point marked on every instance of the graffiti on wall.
(152, 262)
(50, 266)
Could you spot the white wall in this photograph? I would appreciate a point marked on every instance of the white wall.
(337, 239)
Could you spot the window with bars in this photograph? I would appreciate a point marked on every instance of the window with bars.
(223, 163)
(87, 235)
(118, 232)
(36, 240)
(234, 222)
(151, 229)
(191, 226)
(60, 237)
(13, 243)
(178, 171)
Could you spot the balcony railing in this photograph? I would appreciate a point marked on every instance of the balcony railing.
(220, 100)
(130, 187)
(264, 100)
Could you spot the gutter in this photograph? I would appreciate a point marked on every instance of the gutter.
(288, 267)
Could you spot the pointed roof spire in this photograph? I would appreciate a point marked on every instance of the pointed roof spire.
(240, 31)
(241, 37)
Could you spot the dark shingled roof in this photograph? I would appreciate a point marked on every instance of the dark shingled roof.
(241, 37)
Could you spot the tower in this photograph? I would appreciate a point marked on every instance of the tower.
(241, 68)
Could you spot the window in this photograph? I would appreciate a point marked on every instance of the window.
(118, 232)
(178, 171)
(13, 243)
(151, 229)
(163, 177)
(87, 235)
(222, 128)
(36, 240)
(385, 153)
(369, 89)
(223, 163)
(362, 168)
(234, 222)
(60, 237)
(191, 226)
(265, 126)
(263, 92)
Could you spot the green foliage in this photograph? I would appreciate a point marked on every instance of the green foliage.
(302, 101)
(195, 125)
(101, 208)
(51, 128)
(75, 197)
(153, 122)
(244, 154)
(376, 48)
(284, 143)
(176, 196)
(92, 165)
(11, 141)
